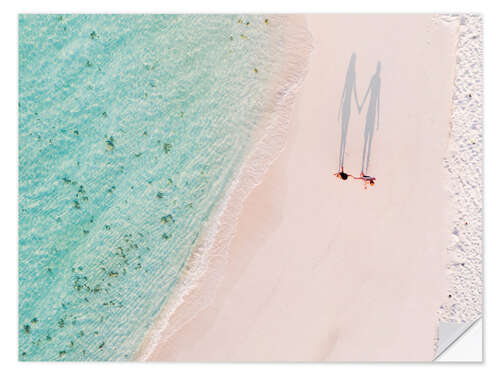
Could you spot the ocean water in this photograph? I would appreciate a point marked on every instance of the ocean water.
(131, 127)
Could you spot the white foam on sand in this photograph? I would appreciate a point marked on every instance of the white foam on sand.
(464, 166)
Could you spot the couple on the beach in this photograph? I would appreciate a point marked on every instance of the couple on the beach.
(372, 115)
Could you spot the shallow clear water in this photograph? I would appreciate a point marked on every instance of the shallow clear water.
(130, 128)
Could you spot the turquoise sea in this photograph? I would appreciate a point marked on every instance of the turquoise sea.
(131, 127)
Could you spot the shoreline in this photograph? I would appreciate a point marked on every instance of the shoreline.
(322, 270)
(269, 141)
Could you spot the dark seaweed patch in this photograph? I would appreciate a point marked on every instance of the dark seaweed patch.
(80, 282)
(110, 143)
(97, 288)
(167, 219)
(167, 147)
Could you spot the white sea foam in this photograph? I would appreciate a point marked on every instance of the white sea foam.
(210, 254)
(463, 164)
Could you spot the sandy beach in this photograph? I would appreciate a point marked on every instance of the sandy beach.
(321, 269)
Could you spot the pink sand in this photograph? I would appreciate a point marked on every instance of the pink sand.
(321, 269)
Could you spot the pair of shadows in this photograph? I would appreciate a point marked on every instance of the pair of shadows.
(372, 116)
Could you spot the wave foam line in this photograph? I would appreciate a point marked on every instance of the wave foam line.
(215, 241)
